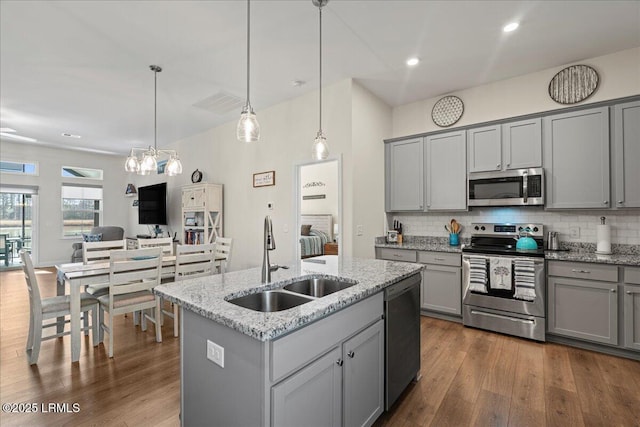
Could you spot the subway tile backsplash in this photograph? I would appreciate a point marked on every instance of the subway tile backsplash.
(625, 225)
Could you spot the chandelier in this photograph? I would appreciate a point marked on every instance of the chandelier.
(148, 162)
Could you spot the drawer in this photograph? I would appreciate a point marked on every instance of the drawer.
(397, 254)
(580, 270)
(440, 258)
(632, 275)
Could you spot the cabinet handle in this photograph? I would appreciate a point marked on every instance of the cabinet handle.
(339, 362)
(628, 292)
(613, 290)
(498, 166)
(508, 164)
(351, 354)
(620, 202)
(606, 202)
(580, 271)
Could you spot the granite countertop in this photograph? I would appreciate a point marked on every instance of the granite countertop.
(421, 243)
(208, 296)
(578, 256)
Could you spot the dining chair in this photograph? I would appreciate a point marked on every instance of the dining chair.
(4, 248)
(94, 252)
(50, 308)
(223, 250)
(132, 276)
(166, 243)
(191, 261)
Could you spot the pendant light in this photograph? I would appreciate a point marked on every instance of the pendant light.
(320, 149)
(248, 129)
(149, 162)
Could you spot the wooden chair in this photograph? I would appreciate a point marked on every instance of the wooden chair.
(50, 308)
(166, 243)
(132, 276)
(191, 261)
(93, 252)
(4, 248)
(223, 250)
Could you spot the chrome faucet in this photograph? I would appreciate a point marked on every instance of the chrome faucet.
(269, 245)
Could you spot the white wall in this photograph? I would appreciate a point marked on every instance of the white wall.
(320, 179)
(52, 248)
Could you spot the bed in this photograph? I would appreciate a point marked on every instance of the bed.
(320, 233)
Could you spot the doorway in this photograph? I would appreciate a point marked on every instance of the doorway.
(319, 208)
(16, 227)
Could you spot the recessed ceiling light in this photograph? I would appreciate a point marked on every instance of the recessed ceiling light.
(70, 135)
(412, 61)
(18, 137)
(510, 27)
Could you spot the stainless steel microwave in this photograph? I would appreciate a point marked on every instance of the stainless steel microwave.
(517, 187)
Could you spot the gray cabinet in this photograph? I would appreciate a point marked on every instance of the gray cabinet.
(312, 396)
(485, 149)
(445, 171)
(576, 159)
(632, 308)
(626, 146)
(579, 307)
(363, 379)
(522, 144)
(404, 175)
(441, 282)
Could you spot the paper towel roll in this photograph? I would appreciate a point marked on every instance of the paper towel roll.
(603, 238)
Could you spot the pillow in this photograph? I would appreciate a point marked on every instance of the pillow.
(305, 229)
(92, 237)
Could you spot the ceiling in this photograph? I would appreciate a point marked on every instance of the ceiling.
(82, 67)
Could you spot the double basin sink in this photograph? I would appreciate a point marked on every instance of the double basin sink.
(291, 295)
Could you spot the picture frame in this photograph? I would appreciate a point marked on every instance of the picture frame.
(136, 202)
(264, 179)
(190, 221)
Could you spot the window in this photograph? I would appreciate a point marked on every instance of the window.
(75, 172)
(26, 168)
(81, 209)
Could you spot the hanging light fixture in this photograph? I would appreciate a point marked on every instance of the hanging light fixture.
(320, 149)
(149, 162)
(248, 129)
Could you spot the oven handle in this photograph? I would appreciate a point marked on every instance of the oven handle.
(525, 190)
(513, 319)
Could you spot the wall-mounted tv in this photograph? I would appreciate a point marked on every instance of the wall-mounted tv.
(152, 204)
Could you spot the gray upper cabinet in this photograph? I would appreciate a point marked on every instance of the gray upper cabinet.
(522, 144)
(626, 145)
(576, 159)
(445, 171)
(512, 145)
(404, 175)
(485, 149)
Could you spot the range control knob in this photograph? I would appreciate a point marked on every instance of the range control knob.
(482, 228)
(476, 228)
(519, 228)
(535, 229)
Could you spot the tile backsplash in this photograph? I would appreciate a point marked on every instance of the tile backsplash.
(625, 225)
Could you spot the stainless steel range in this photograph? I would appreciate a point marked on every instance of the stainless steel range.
(504, 287)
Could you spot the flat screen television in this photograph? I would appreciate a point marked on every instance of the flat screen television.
(152, 204)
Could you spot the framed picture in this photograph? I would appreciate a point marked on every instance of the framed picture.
(190, 221)
(264, 179)
(136, 202)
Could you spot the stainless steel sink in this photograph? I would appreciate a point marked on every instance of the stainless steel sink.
(269, 301)
(317, 287)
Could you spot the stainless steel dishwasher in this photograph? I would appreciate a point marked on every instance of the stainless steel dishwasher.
(402, 336)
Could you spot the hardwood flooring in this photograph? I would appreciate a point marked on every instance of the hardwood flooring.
(469, 377)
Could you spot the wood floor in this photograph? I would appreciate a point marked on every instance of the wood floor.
(469, 377)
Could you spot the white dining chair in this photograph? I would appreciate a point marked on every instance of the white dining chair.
(50, 308)
(166, 243)
(223, 250)
(95, 252)
(132, 276)
(191, 261)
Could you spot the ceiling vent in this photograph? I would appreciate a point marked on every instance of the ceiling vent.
(221, 103)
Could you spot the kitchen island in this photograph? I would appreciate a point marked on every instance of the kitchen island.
(317, 363)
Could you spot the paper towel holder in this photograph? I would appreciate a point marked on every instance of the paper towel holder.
(603, 238)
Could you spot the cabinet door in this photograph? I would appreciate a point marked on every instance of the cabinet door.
(485, 152)
(522, 144)
(311, 397)
(446, 171)
(404, 175)
(627, 155)
(193, 198)
(632, 317)
(583, 309)
(442, 289)
(364, 376)
(576, 159)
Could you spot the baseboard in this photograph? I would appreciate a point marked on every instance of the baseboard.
(441, 316)
(613, 351)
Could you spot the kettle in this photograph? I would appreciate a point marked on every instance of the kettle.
(526, 242)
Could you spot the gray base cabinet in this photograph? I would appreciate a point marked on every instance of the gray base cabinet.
(626, 146)
(632, 308)
(442, 289)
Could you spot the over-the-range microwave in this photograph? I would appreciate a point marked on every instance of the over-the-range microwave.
(517, 187)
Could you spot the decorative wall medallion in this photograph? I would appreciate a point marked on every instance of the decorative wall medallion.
(573, 84)
(447, 111)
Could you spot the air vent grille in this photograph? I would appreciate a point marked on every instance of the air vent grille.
(221, 103)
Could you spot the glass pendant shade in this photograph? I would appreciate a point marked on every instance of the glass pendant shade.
(132, 165)
(173, 167)
(320, 148)
(149, 163)
(248, 129)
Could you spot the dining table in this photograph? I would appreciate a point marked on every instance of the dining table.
(76, 276)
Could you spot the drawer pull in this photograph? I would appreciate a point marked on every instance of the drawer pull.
(351, 354)
(339, 362)
(613, 290)
(439, 259)
(580, 271)
(629, 292)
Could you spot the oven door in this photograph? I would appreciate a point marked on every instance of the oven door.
(502, 300)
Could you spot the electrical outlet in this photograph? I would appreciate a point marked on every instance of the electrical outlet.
(359, 230)
(215, 353)
(285, 228)
(574, 232)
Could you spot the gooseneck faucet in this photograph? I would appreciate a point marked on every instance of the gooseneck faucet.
(269, 245)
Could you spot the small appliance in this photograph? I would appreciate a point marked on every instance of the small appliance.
(517, 187)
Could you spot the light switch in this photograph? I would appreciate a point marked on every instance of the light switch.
(359, 230)
(215, 353)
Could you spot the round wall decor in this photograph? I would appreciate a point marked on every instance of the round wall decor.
(573, 84)
(196, 176)
(447, 111)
